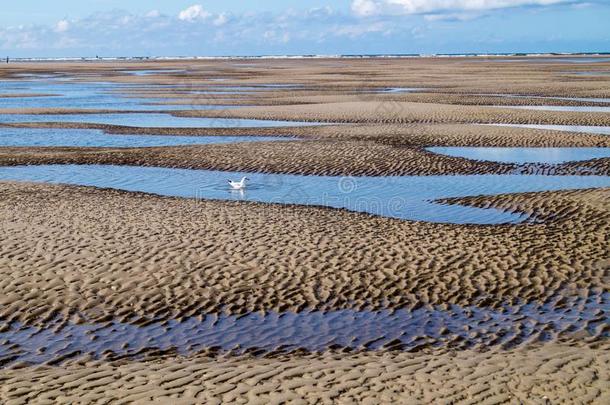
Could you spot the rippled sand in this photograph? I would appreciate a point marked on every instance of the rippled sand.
(553, 373)
(358, 150)
(164, 257)
(107, 296)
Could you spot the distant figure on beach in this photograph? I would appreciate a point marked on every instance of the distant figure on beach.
(7, 59)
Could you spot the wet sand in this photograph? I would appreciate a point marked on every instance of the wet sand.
(164, 258)
(405, 113)
(167, 257)
(78, 257)
(553, 373)
(334, 150)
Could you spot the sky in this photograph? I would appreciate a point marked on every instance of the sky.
(70, 28)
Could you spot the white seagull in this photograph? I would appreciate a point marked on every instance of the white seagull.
(238, 185)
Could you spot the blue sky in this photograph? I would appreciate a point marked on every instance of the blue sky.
(241, 27)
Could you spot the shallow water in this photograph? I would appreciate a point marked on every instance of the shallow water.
(401, 90)
(37, 76)
(406, 197)
(148, 72)
(265, 86)
(553, 60)
(582, 99)
(45, 137)
(84, 95)
(150, 120)
(524, 155)
(591, 73)
(394, 90)
(195, 88)
(455, 326)
(572, 128)
(559, 108)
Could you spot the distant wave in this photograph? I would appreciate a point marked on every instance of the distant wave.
(347, 56)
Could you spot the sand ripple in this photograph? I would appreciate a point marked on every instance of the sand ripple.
(553, 373)
(98, 252)
(264, 333)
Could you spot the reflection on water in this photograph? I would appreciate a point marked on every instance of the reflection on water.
(66, 93)
(455, 326)
(394, 90)
(150, 120)
(578, 108)
(405, 197)
(590, 73)
(572, 128)
(44, 137)
(524, 155)
(82, 95)
(546, 59)
(582, 99)
(401, 89)
(37, 76)
(105, 96)
(148, 72)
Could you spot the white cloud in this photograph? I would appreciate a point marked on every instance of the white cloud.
(320, 13)
(194, 12)
(317, 30)
(365, 7)
(221, 19)
(62, 26)
(451, 17)
(371, 7)
(582, 5)
(355, 31)
(275, 36)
